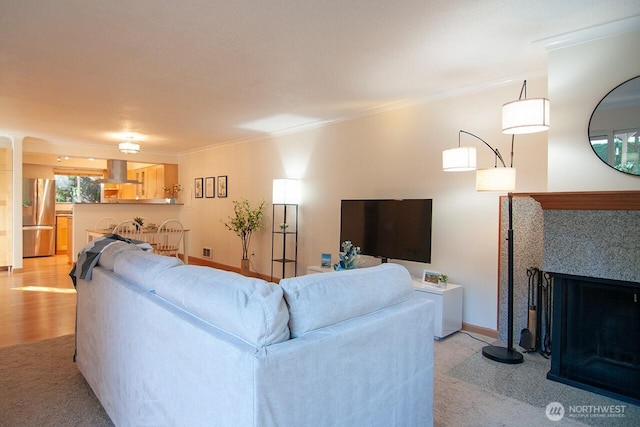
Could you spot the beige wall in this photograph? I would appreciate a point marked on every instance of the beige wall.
(395, 154)
(37, 171)
(579, 77)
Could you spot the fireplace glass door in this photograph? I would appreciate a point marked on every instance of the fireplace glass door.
(596, 341)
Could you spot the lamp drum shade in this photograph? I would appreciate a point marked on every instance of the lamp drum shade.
(286, 191)
(496, 179)
(459, 159)
(525, 116)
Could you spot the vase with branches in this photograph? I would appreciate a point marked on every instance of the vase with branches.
(245, 221)
(173, 191)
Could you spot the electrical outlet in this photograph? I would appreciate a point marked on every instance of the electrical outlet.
(206, 252)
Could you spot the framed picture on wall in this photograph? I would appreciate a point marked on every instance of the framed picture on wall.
(209, 187)
(198, 188)
(222, 186)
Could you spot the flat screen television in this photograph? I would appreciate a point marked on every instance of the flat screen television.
(397, 229)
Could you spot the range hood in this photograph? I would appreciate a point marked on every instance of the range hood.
(117, 173)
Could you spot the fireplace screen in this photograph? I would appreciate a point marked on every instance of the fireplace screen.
(596, 335)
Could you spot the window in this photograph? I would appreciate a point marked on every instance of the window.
(619, 148)
(77, 188)
(626, 150)
(600, 145)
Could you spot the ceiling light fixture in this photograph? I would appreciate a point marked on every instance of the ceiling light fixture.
(525, 115)
(129, 147)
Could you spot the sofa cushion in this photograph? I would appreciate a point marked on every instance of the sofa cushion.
(110, 253)
(249, 308)
(143, 268)
(319, 300)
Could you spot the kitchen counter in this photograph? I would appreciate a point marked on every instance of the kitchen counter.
(138, 202)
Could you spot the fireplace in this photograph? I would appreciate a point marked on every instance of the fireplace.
(596, 335)
(591, 242)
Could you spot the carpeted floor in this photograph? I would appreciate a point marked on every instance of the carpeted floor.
(41, 386)
(498, 394)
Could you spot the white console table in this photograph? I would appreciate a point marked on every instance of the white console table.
(448, 302)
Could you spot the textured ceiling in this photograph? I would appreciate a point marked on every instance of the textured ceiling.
(186, 74)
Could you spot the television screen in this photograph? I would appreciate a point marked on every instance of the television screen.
(397, 229)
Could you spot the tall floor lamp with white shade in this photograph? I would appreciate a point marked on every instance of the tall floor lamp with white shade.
(518, 117)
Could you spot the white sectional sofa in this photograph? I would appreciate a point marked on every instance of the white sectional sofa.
(165, 344)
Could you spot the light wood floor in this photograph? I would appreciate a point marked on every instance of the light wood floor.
(37, 302)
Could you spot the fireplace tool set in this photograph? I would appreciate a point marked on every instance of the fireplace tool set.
(539, 313)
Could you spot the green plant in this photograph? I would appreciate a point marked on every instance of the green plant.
(443, 278)
(245, 221)
(139, 221)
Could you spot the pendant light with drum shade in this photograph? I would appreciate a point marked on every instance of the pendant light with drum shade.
(129, 147)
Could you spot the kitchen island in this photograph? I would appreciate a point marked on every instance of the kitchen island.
(86, 215)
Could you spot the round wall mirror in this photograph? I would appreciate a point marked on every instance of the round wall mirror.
(614, 128)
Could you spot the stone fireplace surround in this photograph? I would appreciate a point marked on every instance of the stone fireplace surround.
(595, 235)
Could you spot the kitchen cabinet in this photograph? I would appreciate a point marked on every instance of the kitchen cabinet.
(111, 191)
(62, 234)
(153, 180)
(128, 191)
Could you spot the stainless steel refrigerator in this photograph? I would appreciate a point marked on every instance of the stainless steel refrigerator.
(38, 217)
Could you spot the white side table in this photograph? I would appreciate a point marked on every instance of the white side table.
(448, 302)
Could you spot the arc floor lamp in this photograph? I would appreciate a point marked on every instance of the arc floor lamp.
(518, 117)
